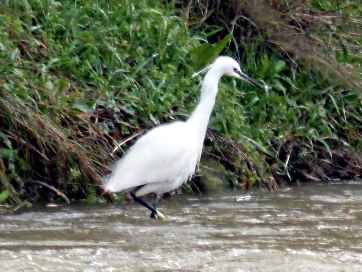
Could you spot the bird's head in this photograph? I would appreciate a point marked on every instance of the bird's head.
(230, 67)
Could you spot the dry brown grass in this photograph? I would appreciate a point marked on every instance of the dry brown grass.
(50, 153)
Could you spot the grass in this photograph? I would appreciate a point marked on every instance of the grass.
(78, 77)
(324, 34)
(310, 53)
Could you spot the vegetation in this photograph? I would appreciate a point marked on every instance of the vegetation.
(308, 127)
(80, 80)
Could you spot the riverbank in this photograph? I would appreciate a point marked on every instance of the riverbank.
(80, 81)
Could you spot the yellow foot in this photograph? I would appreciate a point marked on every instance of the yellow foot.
(158, 215)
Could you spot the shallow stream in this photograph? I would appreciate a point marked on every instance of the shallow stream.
(308, 228)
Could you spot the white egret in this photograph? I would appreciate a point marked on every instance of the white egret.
(166, 157)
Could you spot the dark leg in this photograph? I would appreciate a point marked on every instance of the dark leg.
(144, 204)
(154, 204)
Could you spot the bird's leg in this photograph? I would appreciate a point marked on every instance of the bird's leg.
(154, 204)
(143, 203)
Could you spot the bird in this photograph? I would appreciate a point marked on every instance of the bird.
(166, 156)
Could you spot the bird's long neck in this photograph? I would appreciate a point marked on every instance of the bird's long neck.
(199, 119)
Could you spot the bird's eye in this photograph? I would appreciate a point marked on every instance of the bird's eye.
(237, 71)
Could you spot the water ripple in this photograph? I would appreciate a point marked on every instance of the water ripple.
(311, 228)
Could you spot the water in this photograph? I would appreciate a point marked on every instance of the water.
(310, 228)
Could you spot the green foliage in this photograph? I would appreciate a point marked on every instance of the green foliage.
(75, 76)
(4, 196)
(204, 54)
(308, 52)
(63, 62)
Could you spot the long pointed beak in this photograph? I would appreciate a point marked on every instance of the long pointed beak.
(252, 81)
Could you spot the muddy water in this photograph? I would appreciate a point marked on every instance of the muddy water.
(311, 228)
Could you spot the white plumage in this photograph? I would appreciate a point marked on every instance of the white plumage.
(161, 160)
(165, 157)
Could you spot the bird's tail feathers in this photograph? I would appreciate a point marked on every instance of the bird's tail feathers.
(119, 181)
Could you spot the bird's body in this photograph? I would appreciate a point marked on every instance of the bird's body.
(165, 157)
(160, 161)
